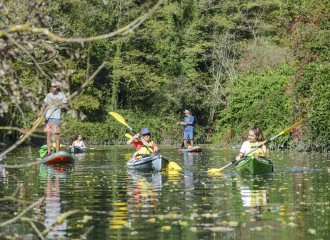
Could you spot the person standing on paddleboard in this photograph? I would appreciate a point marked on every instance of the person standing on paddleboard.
(141, 148)
(53, 115)
(188, 128)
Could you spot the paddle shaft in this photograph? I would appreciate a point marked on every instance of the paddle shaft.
(5, 152)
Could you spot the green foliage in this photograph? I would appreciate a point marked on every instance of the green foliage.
(281, 59)
(260, 98)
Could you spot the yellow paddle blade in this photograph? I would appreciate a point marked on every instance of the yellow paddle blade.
(54, 145)
(128, 135)
(118, 117)
(174, 166)
(297, 124)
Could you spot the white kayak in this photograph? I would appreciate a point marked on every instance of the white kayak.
(77, 149)
(154, 162)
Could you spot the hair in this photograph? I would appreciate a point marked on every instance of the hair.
(257, 131)
(76, 137)
(57, 83)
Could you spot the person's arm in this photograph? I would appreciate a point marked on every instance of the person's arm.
(72, 144)
(192, 119)
(41, 111)
(239, 157)
(156, 149)
(43, 107)
(83, 144)
(246, 145)
(265, 149)
(131, 141)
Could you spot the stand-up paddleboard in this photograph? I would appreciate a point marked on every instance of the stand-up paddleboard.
(191, 149)
(59, 157)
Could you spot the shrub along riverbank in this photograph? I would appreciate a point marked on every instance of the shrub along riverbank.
(233, 64)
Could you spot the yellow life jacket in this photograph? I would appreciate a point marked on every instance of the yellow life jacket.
(259, 151)
(145, 150)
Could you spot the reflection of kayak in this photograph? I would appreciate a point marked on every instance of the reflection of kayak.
(55, 170)
(59, 157)
(77, 149)
(191, 149)
(254, 166)
(154, 162)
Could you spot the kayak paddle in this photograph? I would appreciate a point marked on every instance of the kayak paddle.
(39, 120)
(122, 120)
(218, 170)
(173, 165)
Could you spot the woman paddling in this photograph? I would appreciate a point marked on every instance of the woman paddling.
(141, 148)
(78, 142)
(255, 139)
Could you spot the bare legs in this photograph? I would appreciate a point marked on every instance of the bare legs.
(185, 142)
(49, 142)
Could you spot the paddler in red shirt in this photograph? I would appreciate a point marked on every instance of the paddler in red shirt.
(141, 148)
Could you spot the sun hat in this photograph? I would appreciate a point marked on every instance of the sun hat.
(186, 111)
(145, 131)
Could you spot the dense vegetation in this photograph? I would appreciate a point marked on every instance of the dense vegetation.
(232, 63)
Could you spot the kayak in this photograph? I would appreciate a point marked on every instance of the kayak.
(254, 166)
(191, 149)
(77, 149)
(154, 162)
(59, 157)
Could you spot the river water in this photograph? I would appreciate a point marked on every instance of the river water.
(117, 203)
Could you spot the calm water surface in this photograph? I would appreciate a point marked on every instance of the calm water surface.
(114, 202)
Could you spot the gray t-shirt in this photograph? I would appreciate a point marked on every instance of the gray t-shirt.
(50, 100)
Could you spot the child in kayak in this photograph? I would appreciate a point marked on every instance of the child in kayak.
(255, 139)
(141, 148)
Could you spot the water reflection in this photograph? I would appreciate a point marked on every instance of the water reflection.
(291, 203)
(79, 157)
(188, 160)
(50, 179)
(255, 195)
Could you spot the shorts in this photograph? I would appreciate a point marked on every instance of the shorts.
(187, 134)
(52, 125)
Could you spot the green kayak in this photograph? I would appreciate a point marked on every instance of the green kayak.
(254, 166)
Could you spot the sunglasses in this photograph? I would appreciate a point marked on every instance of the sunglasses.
(148, 134)
(53, 86)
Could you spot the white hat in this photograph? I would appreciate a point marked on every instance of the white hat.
(186, 111)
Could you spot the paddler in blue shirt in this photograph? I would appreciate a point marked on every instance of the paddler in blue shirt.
(188, 128)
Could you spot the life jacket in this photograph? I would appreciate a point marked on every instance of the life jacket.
(259, 151)
(145, 150)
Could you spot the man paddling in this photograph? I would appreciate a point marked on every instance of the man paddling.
(53, 115)
(188, 128)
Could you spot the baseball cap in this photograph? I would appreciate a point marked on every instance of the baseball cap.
(186, 111)
(145, 131)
